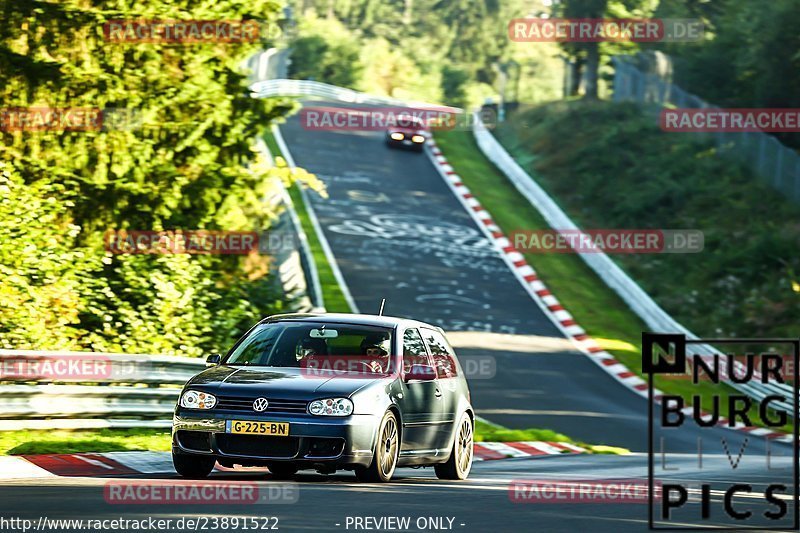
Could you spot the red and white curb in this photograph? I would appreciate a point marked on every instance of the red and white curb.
(488, 451)
(114, 464)
(549, 303)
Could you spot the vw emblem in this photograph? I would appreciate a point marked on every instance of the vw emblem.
(260, 404)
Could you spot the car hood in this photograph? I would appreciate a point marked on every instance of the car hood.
(285, 383)
(410, 131)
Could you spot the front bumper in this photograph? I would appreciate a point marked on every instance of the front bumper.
(346, 441)
(405, 143)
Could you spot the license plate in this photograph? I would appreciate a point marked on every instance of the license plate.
(249, 427)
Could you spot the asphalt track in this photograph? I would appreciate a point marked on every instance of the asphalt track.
(398, 233)
(482, 503)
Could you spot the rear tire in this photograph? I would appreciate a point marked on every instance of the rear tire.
(385, 453)
(460, 462)
(282, 470)
(193, 466)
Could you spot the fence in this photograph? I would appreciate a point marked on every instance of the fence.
(775, 163)
(316, 89)
(612, 275)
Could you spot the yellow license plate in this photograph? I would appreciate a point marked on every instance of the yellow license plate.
(249, 427)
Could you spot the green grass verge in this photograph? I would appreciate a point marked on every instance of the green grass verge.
(597, 308)
(31, 442)
(335, 301)
(490, 432)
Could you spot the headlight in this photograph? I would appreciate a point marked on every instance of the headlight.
(418, 139)
(331, 407)
(193, 399)
(397, 136)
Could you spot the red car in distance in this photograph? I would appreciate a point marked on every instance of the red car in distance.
(409, 132)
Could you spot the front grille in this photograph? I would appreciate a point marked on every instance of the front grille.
(245, 404)
(257, 446)
(195, 440)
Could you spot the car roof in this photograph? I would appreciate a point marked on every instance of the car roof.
(409, 121)
(348, 318)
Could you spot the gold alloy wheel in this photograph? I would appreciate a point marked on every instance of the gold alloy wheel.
(388, 448)
(464, 446)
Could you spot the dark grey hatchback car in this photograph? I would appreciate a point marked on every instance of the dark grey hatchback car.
(328, 392)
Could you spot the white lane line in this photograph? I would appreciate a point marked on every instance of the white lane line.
(326, 247)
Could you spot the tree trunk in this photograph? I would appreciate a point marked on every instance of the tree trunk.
(575, 76)
(592, 67)
(408, 11)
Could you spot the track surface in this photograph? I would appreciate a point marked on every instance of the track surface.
(482, 503)
(398, 233)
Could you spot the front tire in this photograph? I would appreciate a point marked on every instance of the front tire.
(193, 466)
(460, 462)
(385, 453)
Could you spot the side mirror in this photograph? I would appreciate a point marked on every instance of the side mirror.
(213, 359)
(420, 373)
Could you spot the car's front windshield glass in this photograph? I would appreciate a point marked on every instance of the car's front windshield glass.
(344, 347)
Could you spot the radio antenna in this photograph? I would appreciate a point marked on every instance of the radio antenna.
(383, 301)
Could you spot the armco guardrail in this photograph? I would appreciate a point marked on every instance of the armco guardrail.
(634, 296)
(283, 87)
(70, 390)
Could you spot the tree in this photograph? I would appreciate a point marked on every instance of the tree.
(187, 164)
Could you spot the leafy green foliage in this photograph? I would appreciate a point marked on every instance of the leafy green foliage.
(750, 57)
(433, 50)
(743, 284)
(186, 162)
(328, 59)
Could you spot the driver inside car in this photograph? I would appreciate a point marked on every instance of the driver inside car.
(375, 348)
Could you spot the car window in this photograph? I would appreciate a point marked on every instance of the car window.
(443, 355)
(304, 344)
(414, 352)
(256, 347)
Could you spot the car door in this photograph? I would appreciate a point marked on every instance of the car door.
(447, 376)
(421, 402)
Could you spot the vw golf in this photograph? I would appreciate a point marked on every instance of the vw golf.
(329, 392)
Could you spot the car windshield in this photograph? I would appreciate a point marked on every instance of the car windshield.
(344, 347)
(411, 122)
